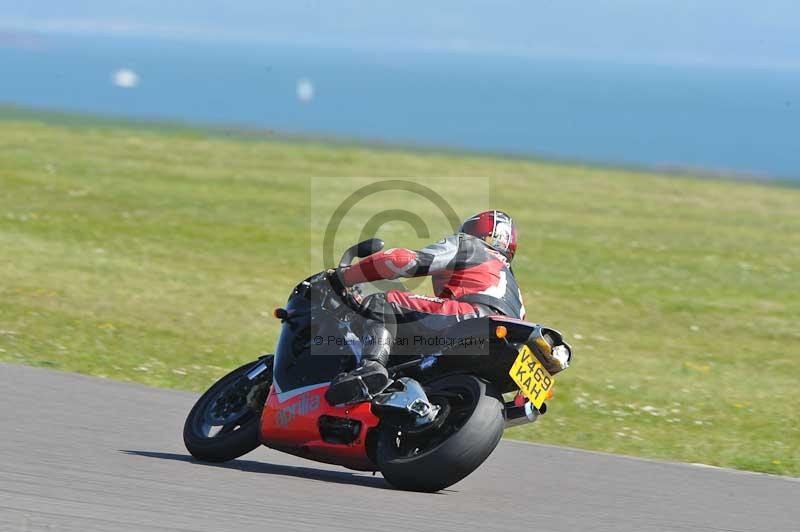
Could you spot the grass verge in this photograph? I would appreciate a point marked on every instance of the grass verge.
(157, 257)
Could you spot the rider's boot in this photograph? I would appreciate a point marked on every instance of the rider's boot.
(370, 376)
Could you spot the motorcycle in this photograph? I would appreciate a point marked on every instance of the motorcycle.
(440, 418)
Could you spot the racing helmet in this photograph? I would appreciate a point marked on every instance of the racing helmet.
(496, 228)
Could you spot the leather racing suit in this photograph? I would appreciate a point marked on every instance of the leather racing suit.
(470, 279)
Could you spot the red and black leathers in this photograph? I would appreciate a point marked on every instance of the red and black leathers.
(460, 265)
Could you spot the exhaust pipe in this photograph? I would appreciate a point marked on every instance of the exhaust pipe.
(520, 415)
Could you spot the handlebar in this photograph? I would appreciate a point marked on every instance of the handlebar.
(343, 295)
(334, 296)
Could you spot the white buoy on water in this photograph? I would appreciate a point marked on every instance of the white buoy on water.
(125, 78)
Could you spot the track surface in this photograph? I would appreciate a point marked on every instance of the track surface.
(79, 454)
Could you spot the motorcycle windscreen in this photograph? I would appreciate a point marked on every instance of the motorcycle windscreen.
(311, 350)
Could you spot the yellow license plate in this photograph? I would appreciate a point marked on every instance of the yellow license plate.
(531, 377)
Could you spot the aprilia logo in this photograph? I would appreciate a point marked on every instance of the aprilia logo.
(305, 405)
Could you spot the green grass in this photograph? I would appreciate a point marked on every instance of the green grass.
(157, 257)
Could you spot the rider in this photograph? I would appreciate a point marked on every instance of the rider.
(472, 278)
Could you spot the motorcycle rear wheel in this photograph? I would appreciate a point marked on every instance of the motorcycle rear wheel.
(222, 425)
(430, 461)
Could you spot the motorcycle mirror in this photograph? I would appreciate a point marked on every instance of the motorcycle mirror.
(368, 247)
(361, 250)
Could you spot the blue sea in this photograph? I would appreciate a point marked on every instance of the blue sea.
(744, 121)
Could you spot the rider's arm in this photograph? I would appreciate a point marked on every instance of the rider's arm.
(400, 262)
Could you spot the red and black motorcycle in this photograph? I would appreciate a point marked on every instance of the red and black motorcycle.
(440, 418)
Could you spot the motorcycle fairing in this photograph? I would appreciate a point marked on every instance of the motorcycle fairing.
(290, 422)
(304, 355)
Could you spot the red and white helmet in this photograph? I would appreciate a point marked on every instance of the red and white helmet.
(496, 228)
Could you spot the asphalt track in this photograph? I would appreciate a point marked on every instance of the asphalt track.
(81, 454)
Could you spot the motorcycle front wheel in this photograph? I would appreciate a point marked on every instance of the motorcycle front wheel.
(224, 422)
(466, 431)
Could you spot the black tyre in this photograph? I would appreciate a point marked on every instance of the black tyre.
(224, 422)
(467, 430)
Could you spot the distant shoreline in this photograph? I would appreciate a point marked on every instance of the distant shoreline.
(10, 111)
